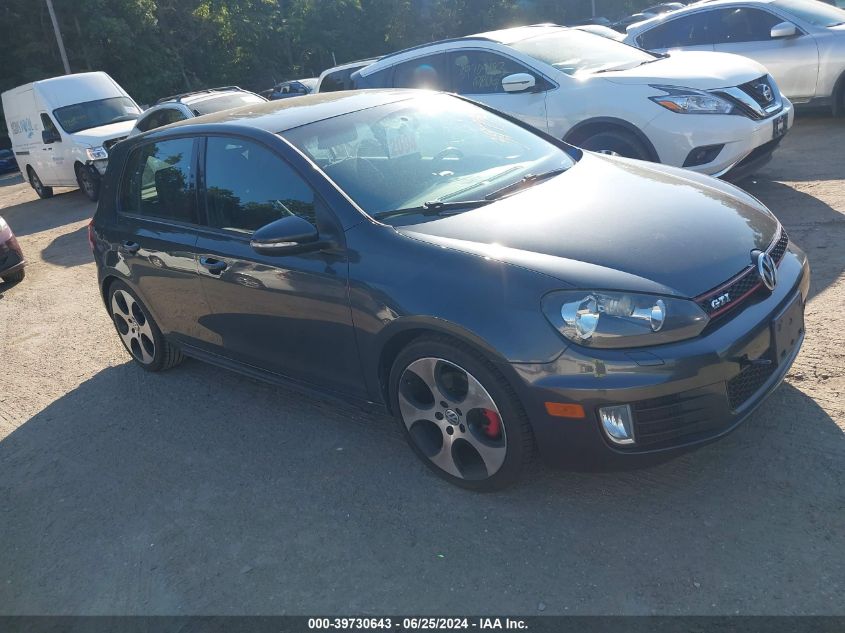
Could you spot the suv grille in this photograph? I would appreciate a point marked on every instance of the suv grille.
(761, 90)
(743, 285)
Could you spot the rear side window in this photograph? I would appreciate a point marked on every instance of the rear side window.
(338, 80)
(159, 183)
(379, 79)
(481, 72)
(249, 186)
(691, 30)
(731, 26)
(430, 73)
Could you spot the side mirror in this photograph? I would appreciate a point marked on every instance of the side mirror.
(50, 136)
(285, 236)
(784, 29)
(518, 82)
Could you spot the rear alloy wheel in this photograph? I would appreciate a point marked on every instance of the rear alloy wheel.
(460, 417)
(15, 278)
(616, 143)
(138, 332)
(89, 182)
(40, 189)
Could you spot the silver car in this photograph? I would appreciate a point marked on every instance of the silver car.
(801, 42)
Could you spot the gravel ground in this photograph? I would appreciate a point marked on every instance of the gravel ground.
(199, 491)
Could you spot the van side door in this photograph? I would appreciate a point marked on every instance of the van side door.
(46, 155)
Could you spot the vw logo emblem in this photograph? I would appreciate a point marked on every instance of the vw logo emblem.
(452, 417)
(766, 92)
(767, 270)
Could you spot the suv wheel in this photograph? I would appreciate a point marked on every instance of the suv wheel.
(138, 332)
(617, 143)
(460, 416)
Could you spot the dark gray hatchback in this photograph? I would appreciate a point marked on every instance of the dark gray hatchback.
(497, 290)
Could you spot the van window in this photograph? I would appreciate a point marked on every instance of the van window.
(84, 116)
(47, 124)
(158, 181)
(249, 186)
(428, 72)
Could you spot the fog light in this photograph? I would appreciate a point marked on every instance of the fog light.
(618, 423)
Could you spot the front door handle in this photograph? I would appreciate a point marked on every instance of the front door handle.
(130, 247)
(214, 266)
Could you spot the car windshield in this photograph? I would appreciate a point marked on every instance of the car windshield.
(84, 116)
(424, 155)
(812, 11)
(224, 102)
(573, 51)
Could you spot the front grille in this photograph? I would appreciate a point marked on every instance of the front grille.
(679, 417)
(748, 382)
(743, 285)
(761, 90)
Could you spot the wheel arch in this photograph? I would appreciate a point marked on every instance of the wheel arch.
(588, 127)
(838, 96)
(402, 332)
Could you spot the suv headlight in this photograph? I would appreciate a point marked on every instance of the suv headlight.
(692, 101)
(97, 153)
(622, 319)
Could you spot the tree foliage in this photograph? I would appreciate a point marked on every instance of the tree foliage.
(159, 47)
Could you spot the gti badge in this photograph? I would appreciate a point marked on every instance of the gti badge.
(721, 300)
(766, 91)
(767, 270)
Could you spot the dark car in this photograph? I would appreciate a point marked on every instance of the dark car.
(497, 290)
(11, 256)
(7, 161)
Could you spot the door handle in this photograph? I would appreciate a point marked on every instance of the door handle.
(130, 247)
(214, 266)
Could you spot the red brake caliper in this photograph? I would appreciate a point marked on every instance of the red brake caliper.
(494, 425)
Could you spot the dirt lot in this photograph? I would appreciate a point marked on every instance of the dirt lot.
(198, 491)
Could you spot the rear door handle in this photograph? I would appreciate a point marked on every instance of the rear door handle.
(130, 247)
(214, 266)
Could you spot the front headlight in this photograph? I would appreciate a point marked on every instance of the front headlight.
(96, 153)
(622, 319)
(691, 101)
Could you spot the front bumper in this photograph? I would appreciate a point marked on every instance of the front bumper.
(11, 256)
(682, 395)
(676, 135)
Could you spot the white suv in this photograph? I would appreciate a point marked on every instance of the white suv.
(714, 113)
(192, 104)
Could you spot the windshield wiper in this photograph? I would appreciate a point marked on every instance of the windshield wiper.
(432, 207)
(528, 179)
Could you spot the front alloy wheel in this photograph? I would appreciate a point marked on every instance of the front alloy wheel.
(460, 416)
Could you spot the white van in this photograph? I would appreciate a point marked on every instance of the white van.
(62, 129)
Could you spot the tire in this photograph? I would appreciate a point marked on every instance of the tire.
(88, 181)
(436, 370)
(40, 189)
(138, 331)
(15, 278)
(617, 142)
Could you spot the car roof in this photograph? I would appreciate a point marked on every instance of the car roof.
(286, 114)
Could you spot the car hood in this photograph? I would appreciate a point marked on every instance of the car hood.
(616, 224)
(96, 135)
(700, 70)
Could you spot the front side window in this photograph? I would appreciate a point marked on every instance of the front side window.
(84, 116)
(249, 186)
(690, 30)
(812, 11)
(481, 72)
(429, 73)
(731, 26)
(158, 181)
(573, 51)
(432, 149)
(47, 124)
